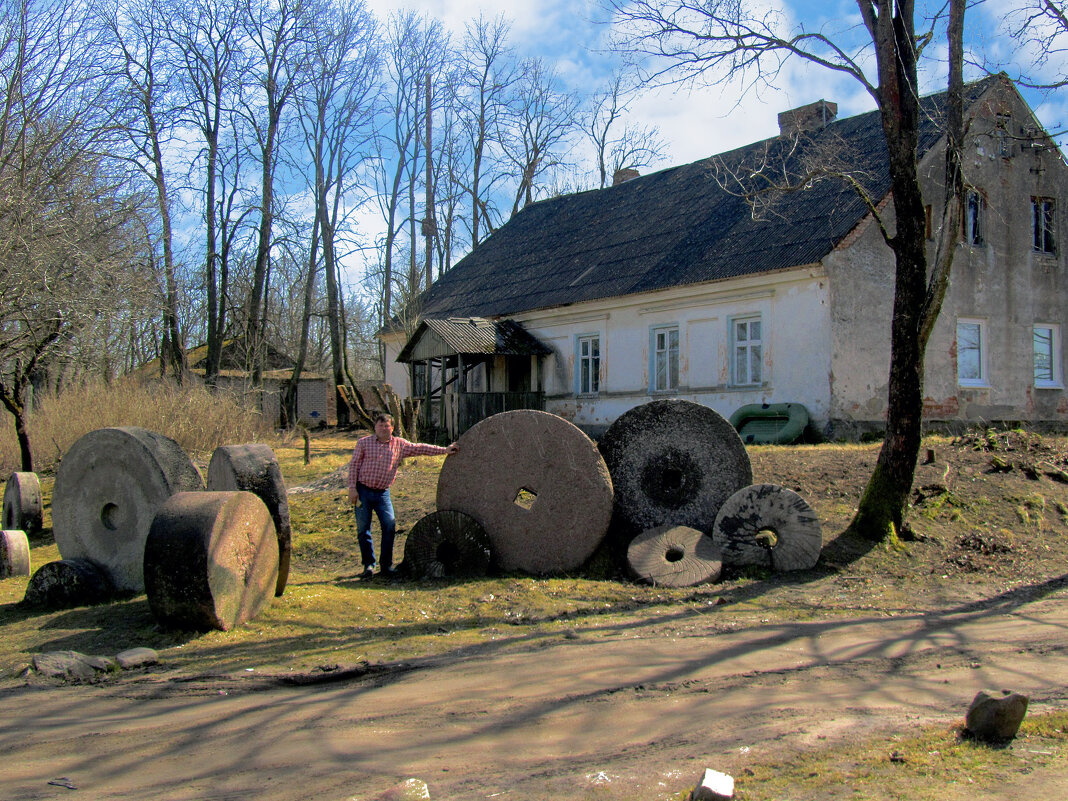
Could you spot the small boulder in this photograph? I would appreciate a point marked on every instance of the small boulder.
(714, 786)
(136, 657)
(408, 790)
(995, 717)
(71, 665)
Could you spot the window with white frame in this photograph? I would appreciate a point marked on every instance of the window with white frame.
(589, 364)
(1043, 212)
(1047, 350)
(971, 352)
(665, 358)
(747, 349)
(973, 219)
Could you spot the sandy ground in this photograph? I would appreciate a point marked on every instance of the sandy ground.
(644, 706)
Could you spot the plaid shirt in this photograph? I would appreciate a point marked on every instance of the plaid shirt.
(374, 464)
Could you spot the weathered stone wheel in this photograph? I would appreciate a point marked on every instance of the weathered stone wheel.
(447, 544)
(765, 524)
(108, 489)
(674, 556)
(67, 583)
(254, 468)
(211, 560)
(536, 484)
(14, 554)
(673, 462)
(23, 508)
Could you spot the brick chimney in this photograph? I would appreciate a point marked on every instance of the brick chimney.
(807, 118)
(623, 175)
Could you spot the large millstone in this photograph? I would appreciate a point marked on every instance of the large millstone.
(254, 468)
(769, 525)
(536, 484)
(447, 545)
(108, 489)
(23, 507)
(673, 462)
(14, 554)
(674, 556)
(211, 560)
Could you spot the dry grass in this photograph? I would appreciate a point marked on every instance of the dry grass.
(197, 419)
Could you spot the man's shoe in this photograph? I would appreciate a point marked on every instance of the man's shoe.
(367, 573)
(388, 572)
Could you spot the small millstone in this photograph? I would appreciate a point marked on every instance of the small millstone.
(995, 717)
(137, 657)
(14, 553)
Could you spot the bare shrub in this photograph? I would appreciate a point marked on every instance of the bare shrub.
(197, 419)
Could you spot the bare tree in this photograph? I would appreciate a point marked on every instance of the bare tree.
(1039, 29)
(723, 40)
(632, 147)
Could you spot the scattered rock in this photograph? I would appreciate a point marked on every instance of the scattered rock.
(137, 657)
(714, 786)
(995, 717)
(72, 665)
(408, 790)
(14, 554)
(68, 583)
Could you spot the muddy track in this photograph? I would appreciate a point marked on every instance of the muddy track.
(645, 706)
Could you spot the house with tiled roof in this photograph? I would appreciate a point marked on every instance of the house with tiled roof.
(759, 276)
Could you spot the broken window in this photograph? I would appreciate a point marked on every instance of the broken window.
(589, 361)
(747, 349)
(665, 358)
(1043, 215)
(973, 219)
(971, 353)
(1047, 350)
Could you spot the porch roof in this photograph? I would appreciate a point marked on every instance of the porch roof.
(450, 336)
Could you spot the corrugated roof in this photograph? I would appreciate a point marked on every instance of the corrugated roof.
(680, 226)
(470, 336)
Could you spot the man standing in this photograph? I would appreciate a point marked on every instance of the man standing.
(371, 473)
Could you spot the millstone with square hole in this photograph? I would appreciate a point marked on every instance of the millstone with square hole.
(447, 544)
(674, 556)
(769, 525)
(211, 560)
(108, 489)
(23, 507)
(536, 484)
(673, 462)
(254, 468)
(14, 554)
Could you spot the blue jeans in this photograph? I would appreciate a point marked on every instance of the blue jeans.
(380, 502)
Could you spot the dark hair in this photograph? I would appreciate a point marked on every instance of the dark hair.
(383, 416)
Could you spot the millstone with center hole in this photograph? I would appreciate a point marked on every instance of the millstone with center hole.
(447, 544)
(67, 583)
(14, 554)
(536, 484)
(765, 524)
(254, 468)
(23, 507)
(211, 560)
(674, 556)
(673, 462)
(108, 488)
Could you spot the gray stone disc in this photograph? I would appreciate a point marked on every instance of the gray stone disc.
(674, 556)
(211, 560)
(254, 468)
(23, 507)
(108, 488)
(14, 554)
(447, 544)
(796, 538)
(536, 484)
(67, 583)
(673, 462)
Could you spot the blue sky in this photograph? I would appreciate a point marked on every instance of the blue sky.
(700, 122)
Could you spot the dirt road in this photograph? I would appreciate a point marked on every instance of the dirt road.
(644, 707)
